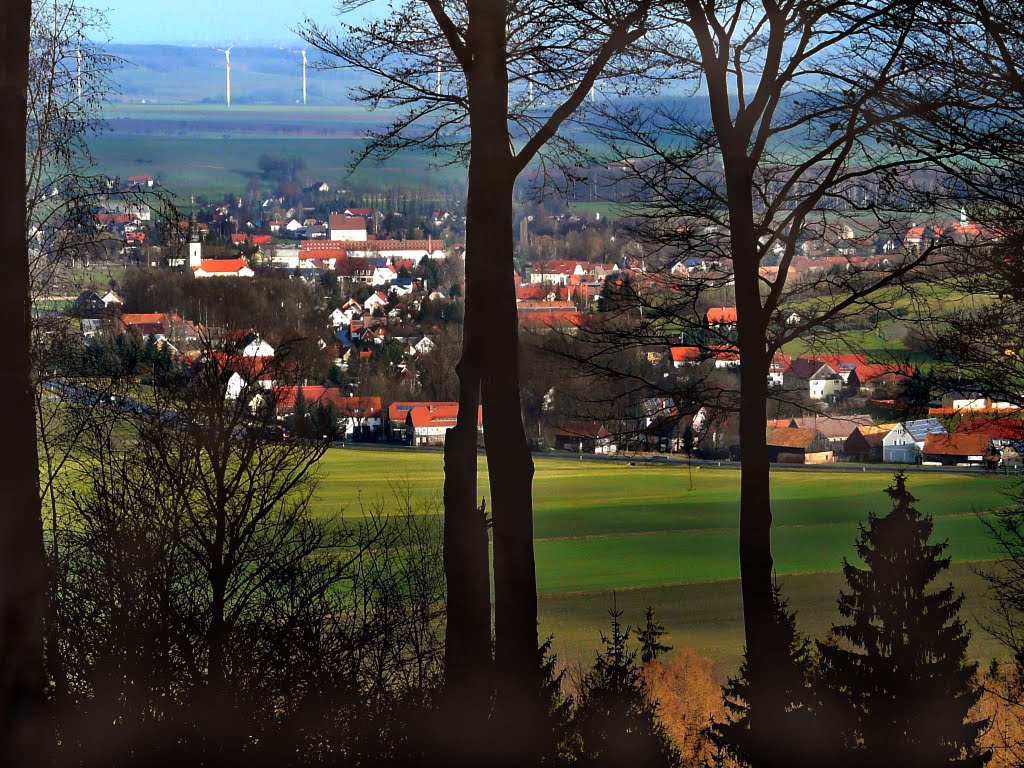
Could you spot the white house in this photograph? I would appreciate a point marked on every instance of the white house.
(223, 268)
(904, 443)
(383, 275)
(293, 226)
(112, 300)
(375, 301)
(557, 272)
(352, 228)
(257, 348)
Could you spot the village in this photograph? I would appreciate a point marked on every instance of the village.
(386, 307)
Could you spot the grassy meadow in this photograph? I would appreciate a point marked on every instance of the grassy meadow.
(644, 533)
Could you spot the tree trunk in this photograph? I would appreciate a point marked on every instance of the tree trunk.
(756, 564)
(22, 567)
(466, 562)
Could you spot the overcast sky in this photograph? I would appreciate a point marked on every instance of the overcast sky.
(212, 21)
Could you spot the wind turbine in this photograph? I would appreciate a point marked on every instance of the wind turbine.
(227, 67)
(305, 63)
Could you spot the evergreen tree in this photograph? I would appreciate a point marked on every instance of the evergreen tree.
(650, 635)
(895, 671)
(616, 719)
(300, 424)
(800, 738)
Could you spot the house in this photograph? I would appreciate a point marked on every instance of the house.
(427, 423)
(836, 429)
(584, 437)
(725, 356)
(865, 442)
(558, 272)
(112, 300)
(821, 381)
(251, 345)
(88, 304)
(375, 301)
(683, 356)
(973, 401)
(905, 442)
(792, 445)
(342, 227)
(398, 425)
(361, 418)
(958, 449)
(777, 369)
(721, 317)
(223, 268)
(358, 418)
(383, 275)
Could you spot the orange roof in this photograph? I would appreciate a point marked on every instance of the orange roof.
(221, 266)
(722, 315)
(398, 410)
(135, 318)
(685, 354)
(790, 437)
(957, 444)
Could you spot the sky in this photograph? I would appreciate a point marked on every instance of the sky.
(213, 21)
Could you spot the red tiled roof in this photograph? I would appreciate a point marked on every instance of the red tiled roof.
(591, 429)
(262, 239)
(221, 266)
(996, 428)
(359, 211)
(347, 223)
(957, 444)
(685, 354)
(398, 410)
(722, 315)
(239, 237)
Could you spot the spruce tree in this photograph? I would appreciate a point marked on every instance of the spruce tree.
(650, 635)
(898, 683)
(616, 718)
(799, 738)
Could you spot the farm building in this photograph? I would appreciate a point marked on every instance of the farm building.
(865, 442)
(904, 443)
(955, 449)
(835, 428)
(791, 445)
(584, 437)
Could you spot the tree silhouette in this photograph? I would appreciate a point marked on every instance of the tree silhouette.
(797, 737)
(616, 718)
(895, 671)
(22, 576)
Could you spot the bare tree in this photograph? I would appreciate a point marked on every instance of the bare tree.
(468, 77)
(792, 124)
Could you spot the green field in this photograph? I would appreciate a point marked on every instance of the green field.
(211, 150)
(641, 531)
